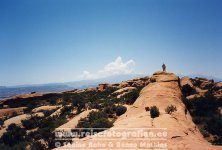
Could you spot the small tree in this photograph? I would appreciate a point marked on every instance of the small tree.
(1, 122)
(170, 109)
(31, 123)
(120, 110)
(154, 112)
(131, 97)
(37, 146)
(187, 90)
(13, 135)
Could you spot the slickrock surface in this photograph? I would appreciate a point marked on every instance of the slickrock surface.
(10, 111)
(42, 108)
(162, 91)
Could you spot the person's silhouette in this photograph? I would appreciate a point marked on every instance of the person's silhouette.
(164, 67)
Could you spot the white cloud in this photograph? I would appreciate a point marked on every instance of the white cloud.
(116, 67)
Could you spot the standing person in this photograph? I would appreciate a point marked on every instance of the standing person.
(164, 67)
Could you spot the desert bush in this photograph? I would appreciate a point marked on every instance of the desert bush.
(131, 97)
(147, 108)
(29, 108)
(197, 119)
(48, 112)
(154, 112)
(187, 90)
(33, 135)
(110, 109)
(204, 133)
(66, 110)
(204, 112)
(120, 110)
(94, 115)
(18, 146)
(83, 123)
(196, 82)
(170, 109)
(78, 102)
(94, 120)
(217, 140)
(31, 123)
(214, 123)
(13, 135)
(102, 123)
(36, 145)
(1, 122)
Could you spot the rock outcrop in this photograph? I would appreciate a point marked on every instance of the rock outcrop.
(217, 90)
(186, 80)
(162, 91)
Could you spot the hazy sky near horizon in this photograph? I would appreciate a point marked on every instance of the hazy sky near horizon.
(48, 41)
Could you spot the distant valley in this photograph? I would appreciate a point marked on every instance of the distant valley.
(9, 91)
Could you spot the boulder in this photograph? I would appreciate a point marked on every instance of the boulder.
(207, 84)
(186, 80)
(138, 83)
(90, 90)
(218, 94)
(126, 89)
(124, 84)
(218, 85)
(190, 97)
(102, 87)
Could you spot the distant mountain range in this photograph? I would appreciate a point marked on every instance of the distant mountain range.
(9, 91)
(201, 76)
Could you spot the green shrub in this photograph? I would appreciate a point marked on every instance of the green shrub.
(33, 135)
(66, 110)
(204, 133)
(154, 112)
(187, 90)
(1, 122)
(36, 145)
(170, 109)
(31, 123)
(204, 112)
(102, 123)
(13, 135)
(79, 102)
(48, 112)
(95, 120)
(83, 123)
(18, 146)
(131, 97)
(94, 115)
(110, 109)
(120, 110)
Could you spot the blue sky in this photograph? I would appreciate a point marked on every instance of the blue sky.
(47, 41)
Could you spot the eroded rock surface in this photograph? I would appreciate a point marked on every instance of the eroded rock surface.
(162, 91)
